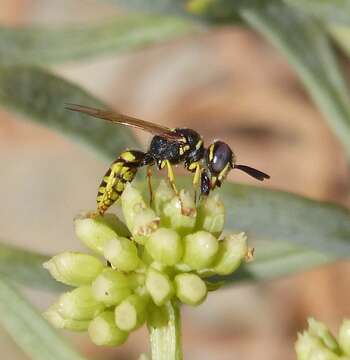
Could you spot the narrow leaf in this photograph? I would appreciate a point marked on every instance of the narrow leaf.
(26, 268)
(287, 218)
(42, 97)
(29, 329)
(335, 11)
(46, 45)
(273, 260)
(307, 48)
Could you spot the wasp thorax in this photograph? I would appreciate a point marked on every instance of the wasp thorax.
(219, 156)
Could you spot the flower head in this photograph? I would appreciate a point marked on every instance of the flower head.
(318, 343)
(165, 252)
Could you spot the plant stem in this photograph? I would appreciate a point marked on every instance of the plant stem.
(166, 340)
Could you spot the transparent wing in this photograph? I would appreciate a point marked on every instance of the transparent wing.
(126, 120)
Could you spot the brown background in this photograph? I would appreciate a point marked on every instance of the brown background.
(229, 84)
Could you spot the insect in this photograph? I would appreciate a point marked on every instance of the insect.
(168, 147)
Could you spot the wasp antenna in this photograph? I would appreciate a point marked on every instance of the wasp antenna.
(81, 108)
(257, 174)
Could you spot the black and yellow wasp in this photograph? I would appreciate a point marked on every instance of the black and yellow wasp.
(168, 147)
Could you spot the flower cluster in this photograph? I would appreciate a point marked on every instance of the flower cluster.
(317, 343)
(165, 252)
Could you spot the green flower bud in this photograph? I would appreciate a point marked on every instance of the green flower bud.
(54, 317)
(111, 287)
(165, 246)
(122, 254)
(319, 330)
(73, 268)
(181, 218)
(181, 267)
(344, 337)
(232, 250)
(211, 215)
(190, 289)
(162, 196)
(131, 312)
(146, 222)
(95, 232)
(159, 286)
(79, 304)
(146, 257)
(103, 331)
(141, 220)
(205, 273)
(136, 280)
(116, 224)
(200, 250)
(309, 347)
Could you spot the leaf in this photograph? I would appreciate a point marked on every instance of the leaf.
(29, 329)
(273, 260)
(47, 45)
(308, 49)
(42, 97)
(26, 268)
(283, 217)
(335, 11)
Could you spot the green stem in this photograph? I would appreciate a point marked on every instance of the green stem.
(166, 340)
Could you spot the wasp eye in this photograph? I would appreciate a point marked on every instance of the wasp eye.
(219, 155)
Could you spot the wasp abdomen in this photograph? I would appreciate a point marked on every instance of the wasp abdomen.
(122, 171)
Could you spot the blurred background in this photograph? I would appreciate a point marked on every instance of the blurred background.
(227, 83)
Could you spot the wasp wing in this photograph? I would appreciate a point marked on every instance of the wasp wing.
(126, 120)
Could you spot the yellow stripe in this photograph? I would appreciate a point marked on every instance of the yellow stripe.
(127, 156)
(199, 144)
(211, 152)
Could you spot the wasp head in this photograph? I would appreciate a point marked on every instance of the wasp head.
(220, 160)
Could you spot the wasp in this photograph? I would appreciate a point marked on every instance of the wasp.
(168, 147)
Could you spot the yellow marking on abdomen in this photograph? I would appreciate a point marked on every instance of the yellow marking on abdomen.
(113, 183)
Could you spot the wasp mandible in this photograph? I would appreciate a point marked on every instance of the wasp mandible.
(168, 147)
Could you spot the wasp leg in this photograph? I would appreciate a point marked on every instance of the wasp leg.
(205, 183)
(196, 168)
(122, 171)
(149, 178)
(171, 176)
(171, 179)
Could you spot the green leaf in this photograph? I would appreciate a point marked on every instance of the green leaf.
(283, 217)
(45, 45)
(26, 268)
(335, 11)
(42, 97)
(308, 49)
(29, 329)
(273, 260)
